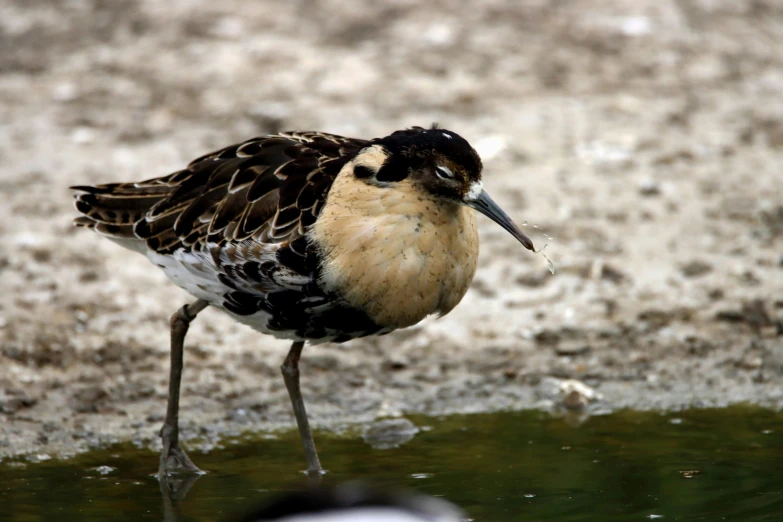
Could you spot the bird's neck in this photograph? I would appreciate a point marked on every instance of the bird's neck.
(395, 253)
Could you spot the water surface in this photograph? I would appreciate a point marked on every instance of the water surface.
(526, 466)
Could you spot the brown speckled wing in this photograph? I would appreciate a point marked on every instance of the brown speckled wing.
(230, 229)
(269, 189)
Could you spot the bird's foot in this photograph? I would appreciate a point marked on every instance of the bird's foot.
(314, 476)
(174, 460)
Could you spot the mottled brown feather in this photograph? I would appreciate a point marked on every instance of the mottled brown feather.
(268, 188)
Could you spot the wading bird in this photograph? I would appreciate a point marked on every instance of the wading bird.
(306, 236)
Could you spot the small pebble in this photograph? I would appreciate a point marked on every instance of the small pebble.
(695, 268)
(576, 394)
(649, 187)
(390, 433)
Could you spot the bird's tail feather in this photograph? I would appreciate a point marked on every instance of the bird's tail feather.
(114, 209)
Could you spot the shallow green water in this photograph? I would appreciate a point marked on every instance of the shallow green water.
(499, 467)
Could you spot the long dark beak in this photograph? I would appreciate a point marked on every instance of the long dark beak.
(484, 204)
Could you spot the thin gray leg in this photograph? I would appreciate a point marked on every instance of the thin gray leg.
(290, 369)
(173, 457)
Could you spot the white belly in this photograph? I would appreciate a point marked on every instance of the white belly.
(197, 275)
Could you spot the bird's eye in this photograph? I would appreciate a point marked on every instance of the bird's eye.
(444, 172)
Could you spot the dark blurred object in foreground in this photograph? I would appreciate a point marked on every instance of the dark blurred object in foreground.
(356, 503)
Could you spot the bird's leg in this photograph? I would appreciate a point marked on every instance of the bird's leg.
(173, 458)
(290, 369)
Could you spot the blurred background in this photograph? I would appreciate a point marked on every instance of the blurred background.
(641, 140)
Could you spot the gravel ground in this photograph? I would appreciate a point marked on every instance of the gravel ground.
(645, 137)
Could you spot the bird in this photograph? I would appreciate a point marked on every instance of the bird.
(306, 236)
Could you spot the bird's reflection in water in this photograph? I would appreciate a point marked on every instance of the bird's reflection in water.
(173, 489)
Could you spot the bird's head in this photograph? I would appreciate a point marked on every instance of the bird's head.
(440, 163)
